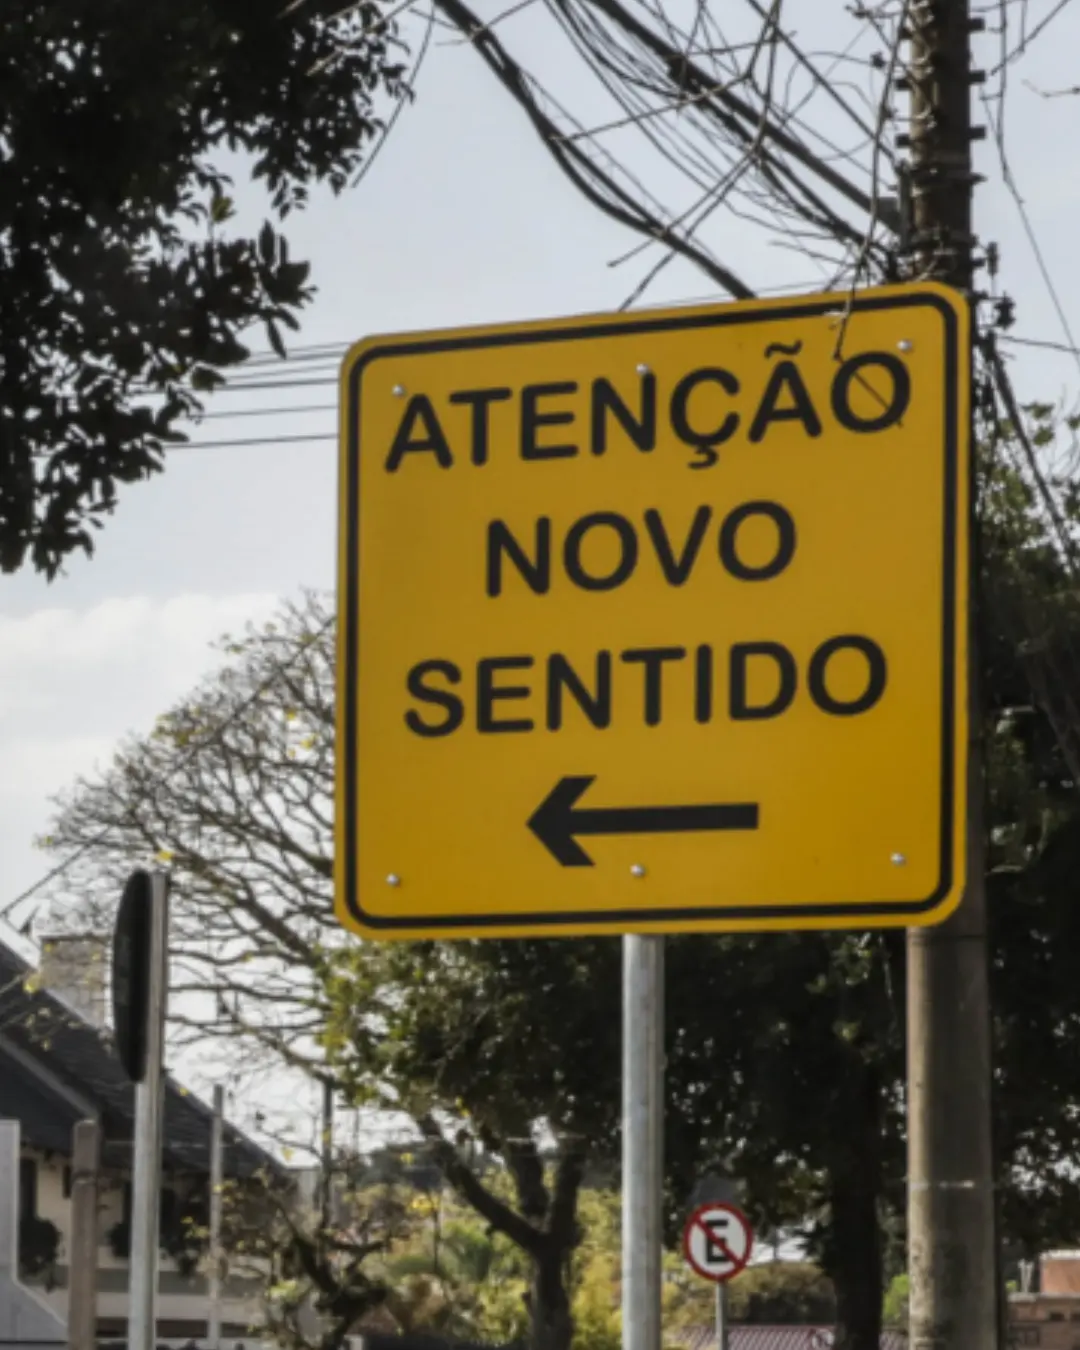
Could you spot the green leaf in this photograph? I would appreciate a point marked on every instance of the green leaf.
(273, 333)
(266, 244)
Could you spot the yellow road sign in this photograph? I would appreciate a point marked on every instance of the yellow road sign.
(657, 621)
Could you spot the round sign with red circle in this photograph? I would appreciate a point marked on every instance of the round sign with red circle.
(717, 1242)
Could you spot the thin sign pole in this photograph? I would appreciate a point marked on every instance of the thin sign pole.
(217, 1182)
(721, 1317)
(643, 1135)
(149, 1102)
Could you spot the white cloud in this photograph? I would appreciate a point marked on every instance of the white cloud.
(73, 683)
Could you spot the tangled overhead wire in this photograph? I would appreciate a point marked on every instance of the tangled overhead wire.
(741, 118)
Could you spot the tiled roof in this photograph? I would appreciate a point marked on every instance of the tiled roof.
(74, 1053)
(776, 1338)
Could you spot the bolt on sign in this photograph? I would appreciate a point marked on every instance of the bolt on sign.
(656, 621)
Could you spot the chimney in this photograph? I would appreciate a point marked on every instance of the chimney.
(74, 968)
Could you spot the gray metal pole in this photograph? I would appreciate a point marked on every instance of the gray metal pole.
(721, 1316)
(149, 1103)
(82, 1279)
(643, 1140)
(217, 1181)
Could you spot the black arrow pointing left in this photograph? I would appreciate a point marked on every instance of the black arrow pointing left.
(558, 819)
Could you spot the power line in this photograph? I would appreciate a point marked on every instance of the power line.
(1028, 38)
(821, 80)
(1011, 405)
(374, 153)
(272, 384)
(268, 412)
(1042, 343)
(1029, 229)
(253, 440)
(303, 352)
(722, 183)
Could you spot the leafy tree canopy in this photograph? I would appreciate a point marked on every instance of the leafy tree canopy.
(125, 288)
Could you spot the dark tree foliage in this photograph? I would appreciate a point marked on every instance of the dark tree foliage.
(123, 290)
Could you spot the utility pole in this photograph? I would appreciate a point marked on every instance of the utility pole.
(951, 1210)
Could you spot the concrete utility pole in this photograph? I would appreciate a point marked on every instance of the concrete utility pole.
(951, 1210)
(82, 1280)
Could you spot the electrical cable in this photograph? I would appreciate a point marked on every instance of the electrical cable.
(1028, 38)
(373, 154)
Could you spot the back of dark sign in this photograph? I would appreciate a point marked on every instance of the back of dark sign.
(130, 974)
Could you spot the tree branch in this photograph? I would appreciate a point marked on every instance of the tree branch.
(569, 1174)
(523, 1160)
(472, 1190)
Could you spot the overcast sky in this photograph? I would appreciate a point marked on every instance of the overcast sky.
(462, 219)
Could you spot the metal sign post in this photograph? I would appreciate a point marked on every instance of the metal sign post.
(217, 1182)
(717, 1242)
(149, 1101)
(721, 1317)
(643, 1140)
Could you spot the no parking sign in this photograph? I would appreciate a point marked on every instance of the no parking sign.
(717, 1242)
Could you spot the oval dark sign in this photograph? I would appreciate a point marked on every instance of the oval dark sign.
(131, 974)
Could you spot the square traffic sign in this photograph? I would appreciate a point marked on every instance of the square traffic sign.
(657, 621)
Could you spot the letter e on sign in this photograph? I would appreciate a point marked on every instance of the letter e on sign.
(656, 622)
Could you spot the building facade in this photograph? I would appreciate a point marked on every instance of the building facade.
(57, 1067)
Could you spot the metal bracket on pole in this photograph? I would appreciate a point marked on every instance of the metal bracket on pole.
(149, 1103)
(643, 1140)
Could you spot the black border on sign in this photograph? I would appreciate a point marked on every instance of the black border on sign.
(618, 919)
(694, 1221)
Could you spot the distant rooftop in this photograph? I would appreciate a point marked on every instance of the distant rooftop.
(742, 1337)
(69, 1071)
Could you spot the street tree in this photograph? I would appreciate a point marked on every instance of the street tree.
(127, 285)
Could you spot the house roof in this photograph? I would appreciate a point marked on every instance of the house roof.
(746, 1337)
(58, 1067)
